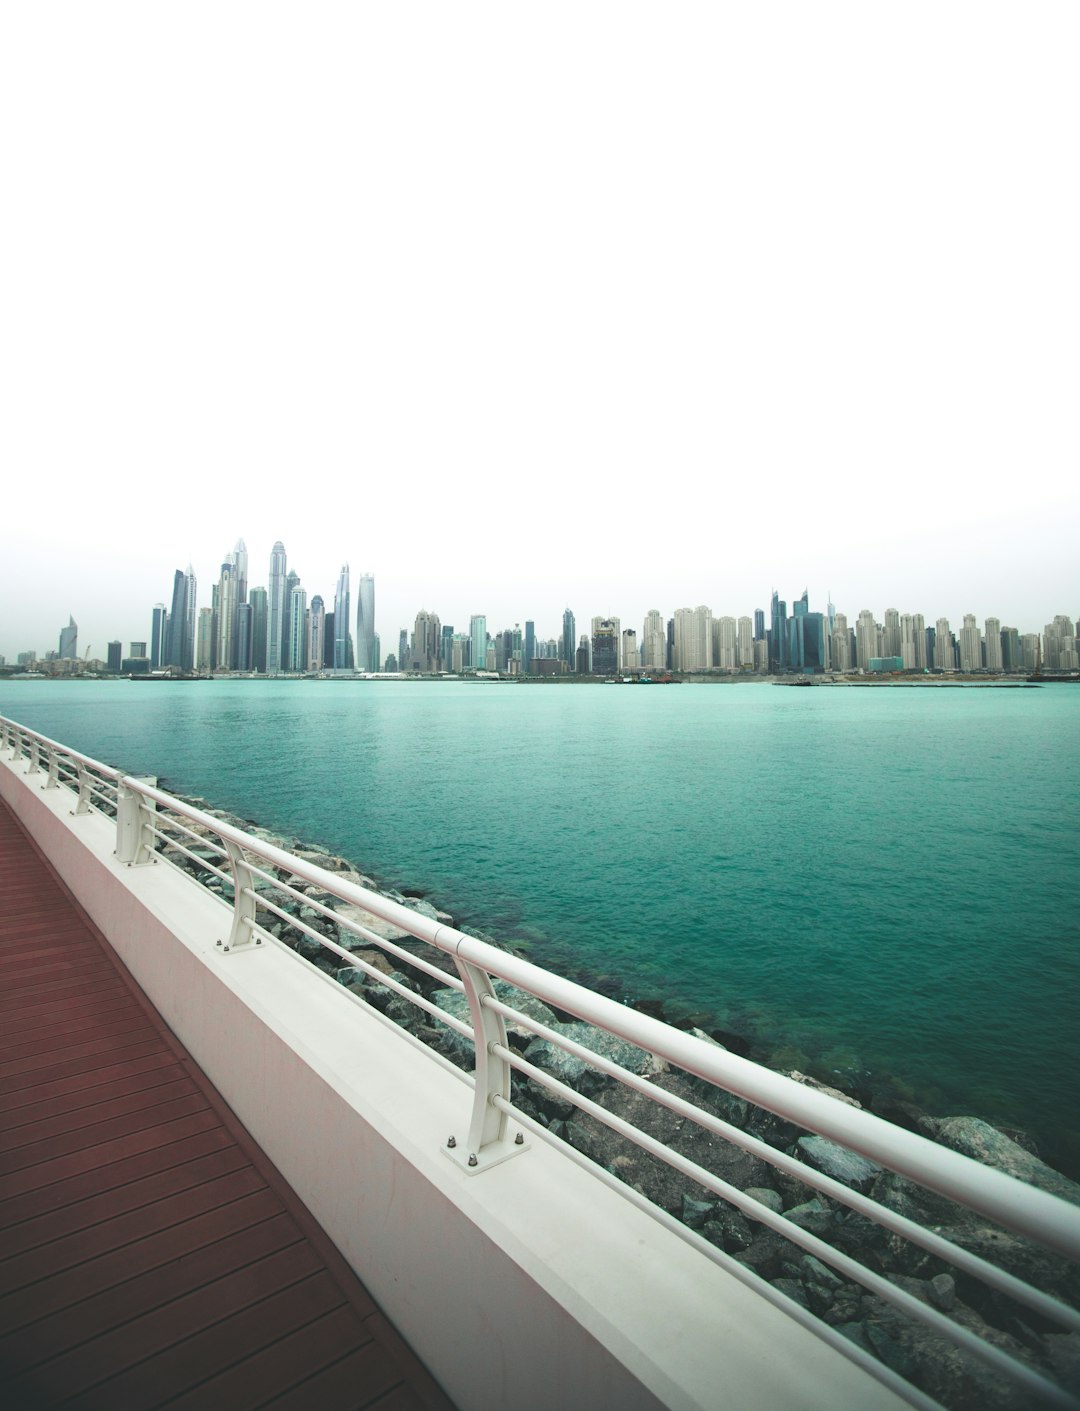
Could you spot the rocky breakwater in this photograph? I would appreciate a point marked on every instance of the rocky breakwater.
(925, 1358)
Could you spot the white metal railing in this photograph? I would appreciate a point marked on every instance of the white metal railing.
(261, 878)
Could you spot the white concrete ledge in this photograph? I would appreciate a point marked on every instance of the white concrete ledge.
(531, 1285)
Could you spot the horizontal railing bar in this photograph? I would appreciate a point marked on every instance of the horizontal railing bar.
(907, 1303)
(173, 846)
(932, 1242)
(1013, 1204)
(357, 964)
(169, 822)
(746, 1275)
(357, 929)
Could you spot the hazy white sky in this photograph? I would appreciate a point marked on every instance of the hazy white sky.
(613, 305)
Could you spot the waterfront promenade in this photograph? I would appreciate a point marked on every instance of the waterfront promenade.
(149, 1251)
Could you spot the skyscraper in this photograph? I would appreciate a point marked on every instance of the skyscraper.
(69, 640)
(158, 626)
(778, 637)
(365, 623)
(316, 629)
(605, 645)
(275, 609)
(653, 642)
(298, 630)
(970, 644)
(426, 643)
(529, 645)
(992, 643)
(569, 638)
(292, 583)
(228, 602)
(343, 649)
(180, 639)
(257, 600)
(478, 641)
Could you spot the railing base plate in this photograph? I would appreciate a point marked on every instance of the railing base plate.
(472, 1163)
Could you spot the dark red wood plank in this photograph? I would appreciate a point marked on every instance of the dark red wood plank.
(148, 1251)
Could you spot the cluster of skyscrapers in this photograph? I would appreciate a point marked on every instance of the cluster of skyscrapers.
(278, 630)
(270, 630)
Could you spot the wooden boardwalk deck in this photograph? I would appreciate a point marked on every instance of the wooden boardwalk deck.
(150, 1255)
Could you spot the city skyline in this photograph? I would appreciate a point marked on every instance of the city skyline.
(736, 311)
(286, 629)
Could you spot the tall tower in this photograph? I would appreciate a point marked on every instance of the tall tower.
(180, 638)
(69, 639)
(158, 624)
(478, 641)
(228, 602)
(654, 642)
(569, 639)
(343, 653)
(365, 623)
(316, 631)
(298, 630)
(275, 609)
(970, 644)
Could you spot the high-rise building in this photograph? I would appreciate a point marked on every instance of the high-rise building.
(944, 657)
(891, 639)
(426, 643)
(403, 650)
(992, 644)
(693, 648)
(478, 642)
(275, 609)
(180, 639)
(446, 648)
(778, 634)
(158, 626)
(970, 644)
(841, 655)
(907, 641)
(569, 636)
(244, 619)
(918, 623)
(69, 640)
(605, 646)
(867, 640)
(343, 648)
(365, 623)
(228, 602)
(204, 649)
(298, 630)
(726, 643)
(529, 645)
(316, 629)
(115, 657)
(629, 657)
(376, 653)
(1011, 657)
(653, 642)
(745, 630)
(257, 600)
(292, 583)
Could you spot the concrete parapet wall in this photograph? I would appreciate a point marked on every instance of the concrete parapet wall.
(529, 1285)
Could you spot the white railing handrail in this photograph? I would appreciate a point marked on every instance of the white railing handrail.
(1009, 1202)
(1000, 1197)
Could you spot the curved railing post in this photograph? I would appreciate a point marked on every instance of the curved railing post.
(487, 1142)
(53, 780)
(243, 914)
(82, 804)
(134, 826)
(35, 756)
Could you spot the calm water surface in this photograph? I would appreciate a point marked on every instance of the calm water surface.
(874, 881)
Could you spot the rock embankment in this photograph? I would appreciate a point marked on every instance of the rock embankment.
(917, 1353)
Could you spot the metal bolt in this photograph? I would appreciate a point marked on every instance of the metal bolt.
(226, 949)
(451, 1142)
(218, 941)
(472, 1159)
(519, 1140)
(258, 940)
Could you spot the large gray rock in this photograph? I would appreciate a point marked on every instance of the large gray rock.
(836, 1161)
(979, 1140)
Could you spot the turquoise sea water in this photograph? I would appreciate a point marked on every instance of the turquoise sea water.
(871, 881)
